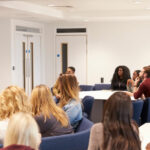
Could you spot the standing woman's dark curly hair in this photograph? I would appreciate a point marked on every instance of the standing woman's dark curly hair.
(120, 77)
(120, 132)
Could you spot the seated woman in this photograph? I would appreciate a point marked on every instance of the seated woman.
(117, 130)
(51, 119)
(144, 89)
(69, 99)
(22, 133)
(120, 77)
(12, 100)
(130, 82)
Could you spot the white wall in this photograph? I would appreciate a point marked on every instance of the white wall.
(110, 43)
(5, 53)
(113, 43)
(117, 43)
(49, 54)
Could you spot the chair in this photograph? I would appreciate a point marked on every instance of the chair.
(137, 110)
(102, 87)
(87, 105)
(145, 116)
(86, 87)
(85, 124)
(76, 141)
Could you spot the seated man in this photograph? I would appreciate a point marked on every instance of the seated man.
(70, 70)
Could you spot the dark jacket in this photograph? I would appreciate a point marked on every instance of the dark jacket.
(52, 127)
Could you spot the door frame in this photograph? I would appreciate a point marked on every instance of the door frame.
(77, 34)
(27, 24)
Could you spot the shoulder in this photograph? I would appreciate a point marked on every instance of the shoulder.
(146, 81)
(72, 103)
(97, 128)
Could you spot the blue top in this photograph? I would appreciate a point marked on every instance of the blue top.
(74, 111)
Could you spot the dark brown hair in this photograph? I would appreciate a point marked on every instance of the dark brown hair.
(119, 128)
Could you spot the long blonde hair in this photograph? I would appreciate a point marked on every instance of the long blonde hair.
(42, 103)
(69, 89)
(13, 99)
(22, 130)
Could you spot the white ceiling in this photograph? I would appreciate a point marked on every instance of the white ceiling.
(77, 10)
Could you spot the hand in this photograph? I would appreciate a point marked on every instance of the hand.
(137, 80)
(129, 93)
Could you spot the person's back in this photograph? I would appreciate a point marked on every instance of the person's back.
(51, 127)
(51, 119)
(117, 130)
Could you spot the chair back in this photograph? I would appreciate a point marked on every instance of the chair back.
(102, 87)
(86, 87)
(85, 124)
(137, 110)
(145, 116)
(76, 141)
(87, 105)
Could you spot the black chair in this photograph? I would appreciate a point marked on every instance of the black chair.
(137, 110)
(102, 87)
(87, 105)
(86, 87)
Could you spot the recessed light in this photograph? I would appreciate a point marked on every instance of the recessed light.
(60, 6)
(137, 1)
(51, 5)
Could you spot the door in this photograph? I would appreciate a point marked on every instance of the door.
(26, 61)
(71, 51)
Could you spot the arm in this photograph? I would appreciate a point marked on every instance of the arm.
(139, 92)
(95, 137)
(74, 112)
(136, 83)
(129, 93)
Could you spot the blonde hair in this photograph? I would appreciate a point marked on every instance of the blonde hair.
(42, 103)
(69, 89)
(13, 99)
(22, 130)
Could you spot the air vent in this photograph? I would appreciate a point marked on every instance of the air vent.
(27, 29)
(71, 30)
